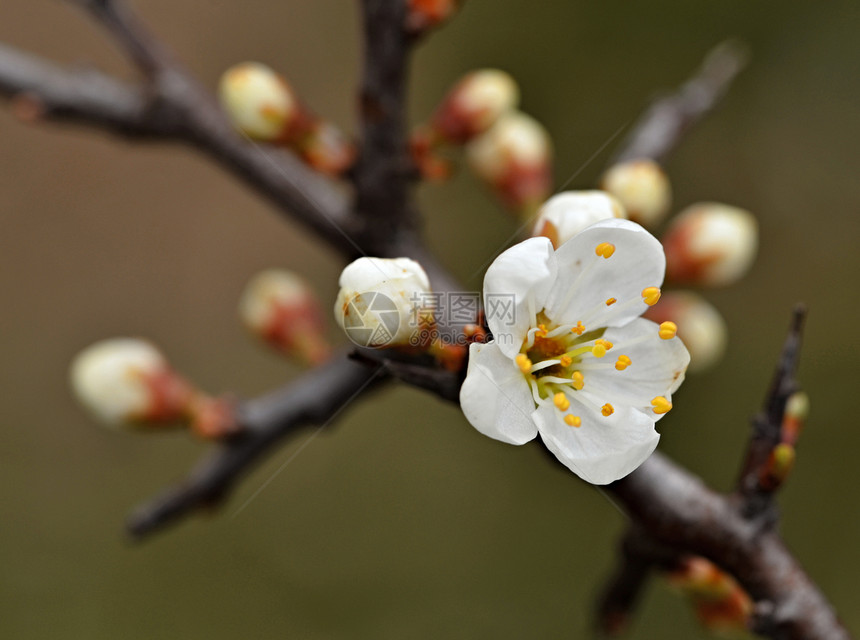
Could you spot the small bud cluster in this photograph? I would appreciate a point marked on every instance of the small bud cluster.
(721, 604)
(505, 148)
(780, 462)
(262, 105)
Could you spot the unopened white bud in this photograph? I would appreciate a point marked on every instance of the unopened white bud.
(567, 213)
(113, 378)
(516, 140)
(475, 103)
(699, 325)
(258, 100)
(381, 301)
(280, 307)
(710, 244)
(643, 189)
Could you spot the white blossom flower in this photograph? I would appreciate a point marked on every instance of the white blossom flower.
(381, 300)
(567, 213)
(571, 359)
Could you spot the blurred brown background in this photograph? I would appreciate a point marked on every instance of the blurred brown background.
(403, 521)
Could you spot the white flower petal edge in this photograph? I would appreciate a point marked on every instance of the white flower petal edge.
(516, 286)
(575, 357)
(635, 264)
(657, 367)
(604, 449)
(495, 398)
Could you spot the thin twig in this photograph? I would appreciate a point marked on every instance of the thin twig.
(667, 120)
(758, 500)
(315, 399)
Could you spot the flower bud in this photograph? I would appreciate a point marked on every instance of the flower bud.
(475, 104)
(425, 14)
(566, 214)
(794, 416)
(779, 464)
(124, 381)
(721, 604)
(700, 327)
(710, 244)
(513, 157)
(280, 307)
(258, 100)
(325, 148)
(382, 302)
(643, 189)
(699, 577)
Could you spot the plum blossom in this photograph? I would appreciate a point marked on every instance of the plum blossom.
(570, 358)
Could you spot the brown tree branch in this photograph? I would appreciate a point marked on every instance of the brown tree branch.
(173, 107)
(314, 399)
(679, 511)
(671, 506)
(660, 129)
(384, 172)
(757, 500)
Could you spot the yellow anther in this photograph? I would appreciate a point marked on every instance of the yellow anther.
(541, 331)
(523, 363)
(561, 402)
(578, 380)
(579, 329)
(598, 351)
(573, 421)
(651, 295)
(661, 405)
(607, 410)
(608, 345)
(611, 301)
(565, 361)
(623, 363)
(668, 330)
(605, 249)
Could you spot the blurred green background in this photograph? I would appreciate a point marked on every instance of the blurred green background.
(403, 521)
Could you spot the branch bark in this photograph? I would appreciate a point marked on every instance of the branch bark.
(384, 173)
(315, 399)
(660, 129)
(673, 508)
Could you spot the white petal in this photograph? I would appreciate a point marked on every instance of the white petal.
(495, 396)
(585, 280)
(516, 286)
(657, 368)
(603, 449)
(366, 274)
(570, 212)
